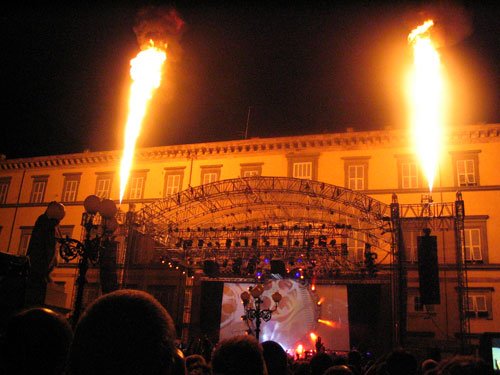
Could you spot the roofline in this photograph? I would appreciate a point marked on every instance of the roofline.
(351, 139)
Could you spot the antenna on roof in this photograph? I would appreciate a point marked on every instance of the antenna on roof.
(248, 121)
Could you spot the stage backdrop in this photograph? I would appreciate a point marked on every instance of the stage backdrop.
(304, 314)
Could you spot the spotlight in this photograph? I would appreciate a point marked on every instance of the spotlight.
(236, 267)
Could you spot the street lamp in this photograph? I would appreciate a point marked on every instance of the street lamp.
(254, 311)
(99, 223)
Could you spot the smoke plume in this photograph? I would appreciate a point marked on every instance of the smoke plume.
(163, 25)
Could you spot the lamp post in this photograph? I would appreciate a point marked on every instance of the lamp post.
(99, 223)
(255, 311)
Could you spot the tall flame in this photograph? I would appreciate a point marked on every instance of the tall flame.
(426, 92)
(145, 71)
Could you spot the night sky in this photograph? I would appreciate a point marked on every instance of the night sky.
(309, 68)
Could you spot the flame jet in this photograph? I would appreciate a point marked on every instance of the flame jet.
(426, 96)
(156, 28)
(146, 71)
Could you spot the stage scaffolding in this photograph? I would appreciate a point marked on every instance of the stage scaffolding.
(318, 231)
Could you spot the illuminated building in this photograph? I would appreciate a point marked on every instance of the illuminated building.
(365, 166)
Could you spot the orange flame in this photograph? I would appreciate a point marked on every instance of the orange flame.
(426, 93)
(328, 323)
(146, 69)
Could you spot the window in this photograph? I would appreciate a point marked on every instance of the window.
(410, 241)
(173, 180)
(303, 166)
(4, 189)
(24, 241)
(356, 172)
(302, 170)
(38, 189)
(70, 188)
(472, 245)
(415, 304)
(136, 185)
(251, 169)
(172, 184)
(409, 174)
(466, 173)
(356, 248)
(356, 177)
(466, 168)
(210, 173)
(475, 239)
(103, 185)
(209, 177)
(478, 304)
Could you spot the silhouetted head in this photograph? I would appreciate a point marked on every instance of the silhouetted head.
(401, 362)
(238, 355)
(338, 370)
(124, 332)
(36, 341)
(275, 357)
(320, 362)
(464, 365)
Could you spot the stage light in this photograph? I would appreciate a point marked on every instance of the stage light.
(211, 268)
(322, 241)
(236, 267)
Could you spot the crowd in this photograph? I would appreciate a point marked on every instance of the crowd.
(129, 332)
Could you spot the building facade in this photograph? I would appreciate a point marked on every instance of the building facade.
(375, 164)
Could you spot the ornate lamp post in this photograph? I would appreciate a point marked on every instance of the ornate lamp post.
(254, 311)
(99, 223)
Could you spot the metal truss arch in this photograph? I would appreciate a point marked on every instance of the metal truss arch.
(259, 202)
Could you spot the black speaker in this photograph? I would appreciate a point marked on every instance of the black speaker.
(14, 272)
(107, 268)
(278, 267)
(428, 269)
(211, 268)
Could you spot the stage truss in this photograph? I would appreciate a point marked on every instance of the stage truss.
(316, 229)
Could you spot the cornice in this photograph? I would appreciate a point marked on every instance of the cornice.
(350, 140)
